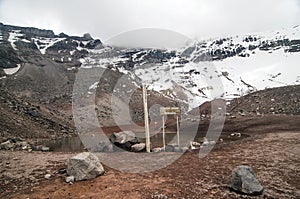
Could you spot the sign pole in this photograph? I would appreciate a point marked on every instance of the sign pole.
(164, 136)
(147, 132)
(178, 141)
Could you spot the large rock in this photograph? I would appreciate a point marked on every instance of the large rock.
(243, 180)
(84, 166)
(124, 139)
(138, 147)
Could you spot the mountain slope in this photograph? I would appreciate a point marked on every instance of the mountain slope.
(41, 66)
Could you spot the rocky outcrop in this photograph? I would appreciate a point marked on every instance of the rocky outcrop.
(9, 58)
(84, 166)
(28, 30)
(243, 180)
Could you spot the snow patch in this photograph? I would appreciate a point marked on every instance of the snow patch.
(11, 71)
(13, 37)
(93, 86)
(43, 43)
(71, 68)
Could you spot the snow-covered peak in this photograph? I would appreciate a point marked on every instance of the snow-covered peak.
(241, 63)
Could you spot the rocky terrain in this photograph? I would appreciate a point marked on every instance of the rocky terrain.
(259, 73)
(272, 154)
(274, 101)
(46, 65)
(281, 100)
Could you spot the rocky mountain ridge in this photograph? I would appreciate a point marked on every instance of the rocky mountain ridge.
(41, 66)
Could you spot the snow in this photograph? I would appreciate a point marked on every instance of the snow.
(3, 77)
(93, 86)
(71, 68)
(259, 70)
(45, 43)
(194, 83)
(94, 62)
(11, 71)
(72, 52)
(13, 37)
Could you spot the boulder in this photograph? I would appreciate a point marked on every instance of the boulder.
(138, 147)
(84, 166)
(243, 180)
(124, 139)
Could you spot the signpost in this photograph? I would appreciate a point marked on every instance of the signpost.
(170, 111)
(163, 111)
(147, 132)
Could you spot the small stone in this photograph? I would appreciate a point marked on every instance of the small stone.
(47, 176)
(156, 150)
(70, 179)
(45, 149)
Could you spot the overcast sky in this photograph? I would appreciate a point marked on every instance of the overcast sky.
(193, 18)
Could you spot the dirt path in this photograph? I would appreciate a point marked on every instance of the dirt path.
(274, 157)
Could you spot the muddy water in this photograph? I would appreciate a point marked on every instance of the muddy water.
(74, 144)
(67, 144)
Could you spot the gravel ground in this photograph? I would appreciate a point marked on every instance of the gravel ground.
(273, 156)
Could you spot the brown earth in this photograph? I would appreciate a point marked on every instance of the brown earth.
(273, 154)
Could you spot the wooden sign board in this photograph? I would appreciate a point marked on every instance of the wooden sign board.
(169, 111)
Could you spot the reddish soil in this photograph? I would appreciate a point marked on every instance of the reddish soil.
(273, 154)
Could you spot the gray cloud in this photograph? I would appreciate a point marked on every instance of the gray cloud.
(194, 18)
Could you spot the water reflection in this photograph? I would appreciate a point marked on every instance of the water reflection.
(67, 144)
(74, 144)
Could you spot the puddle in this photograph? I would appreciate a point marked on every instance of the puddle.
(67, 144)
(74, 144)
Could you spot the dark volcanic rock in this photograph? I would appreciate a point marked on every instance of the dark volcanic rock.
(9, 58)
(243, 180)
(29, 30)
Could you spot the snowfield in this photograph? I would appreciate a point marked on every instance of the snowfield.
(192, 79)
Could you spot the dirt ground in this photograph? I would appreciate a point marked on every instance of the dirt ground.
(274, 156)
